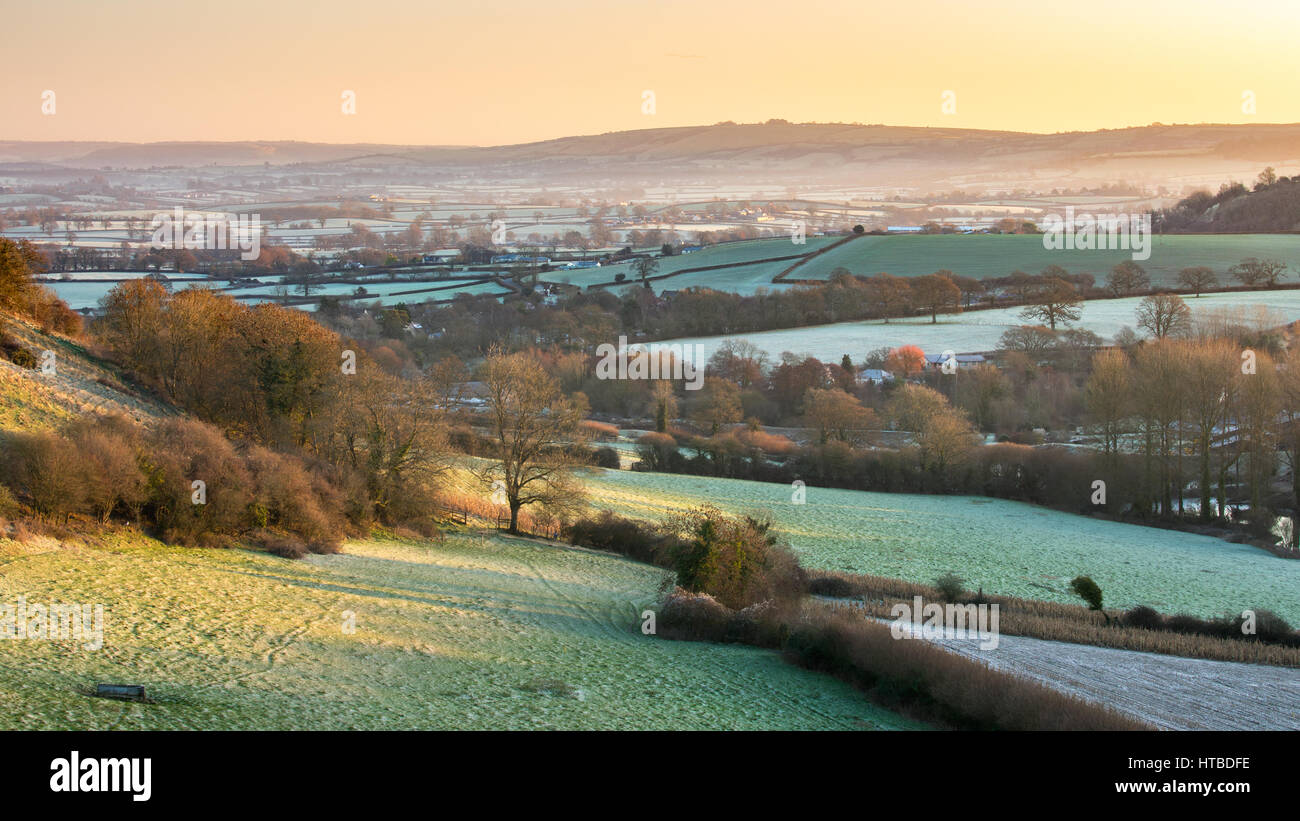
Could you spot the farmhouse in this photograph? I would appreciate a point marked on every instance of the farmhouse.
(875, 376)
(934, 361)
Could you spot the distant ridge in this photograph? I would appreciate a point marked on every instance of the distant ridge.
(808, 153)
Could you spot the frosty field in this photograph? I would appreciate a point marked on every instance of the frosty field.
(977, 331)
(1005, 547)
(742, 279)
(473, 632)
(995, 255)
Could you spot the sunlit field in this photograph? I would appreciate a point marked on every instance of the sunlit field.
(472, 632)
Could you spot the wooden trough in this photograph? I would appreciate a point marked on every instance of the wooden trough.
(122, 692)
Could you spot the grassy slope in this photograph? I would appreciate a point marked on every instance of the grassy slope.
(31, 400)
(474, 632)
(1008, 548)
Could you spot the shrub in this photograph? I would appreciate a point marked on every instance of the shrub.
(619, 535)
(832, 586)
(657, 450)
(1085, 588)
(111, 468)
(692, 616)
(49, 468)
(739, 561)
(1143, 617)
(9, 507)
(23, 358)
(950, 587)
(1269, 626)
(600, 431)
(183, 451)
(288, 497)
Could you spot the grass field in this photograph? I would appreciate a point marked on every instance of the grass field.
(744, 279)
(996, 255)
(980, 330)
(473, 632)
(1005, 547)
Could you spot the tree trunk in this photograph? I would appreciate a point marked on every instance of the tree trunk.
(514, 516)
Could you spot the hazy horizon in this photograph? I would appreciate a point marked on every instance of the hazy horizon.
(518, 73)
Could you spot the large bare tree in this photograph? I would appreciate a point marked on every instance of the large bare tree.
(535, 428)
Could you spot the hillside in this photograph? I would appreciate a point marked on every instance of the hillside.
(806, 153)
(82, 384)
(473, 632)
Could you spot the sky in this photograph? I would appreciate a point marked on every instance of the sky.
(430, 72)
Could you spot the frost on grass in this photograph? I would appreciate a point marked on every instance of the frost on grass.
(473, 632)
(977, 331)
(1008, 548)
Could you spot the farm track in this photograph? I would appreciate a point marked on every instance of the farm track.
(1169, 692)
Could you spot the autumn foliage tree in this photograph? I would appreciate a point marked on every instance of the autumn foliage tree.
(905, 361)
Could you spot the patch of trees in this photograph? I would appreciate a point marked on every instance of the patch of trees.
(273, 377)
(21, 294)
(183, 480)
(1272, 205)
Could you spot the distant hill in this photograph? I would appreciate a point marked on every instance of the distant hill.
(1269, 208)
(777, 151)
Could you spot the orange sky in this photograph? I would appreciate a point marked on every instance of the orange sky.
(506, 71)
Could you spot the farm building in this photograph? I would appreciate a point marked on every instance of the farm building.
(934, 361)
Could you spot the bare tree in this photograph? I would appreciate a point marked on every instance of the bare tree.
(1197, 279)
(1053, 301)
(535, 428)
(1164, 315)
(1254, 272)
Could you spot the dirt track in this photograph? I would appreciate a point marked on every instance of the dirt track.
(1170, 692)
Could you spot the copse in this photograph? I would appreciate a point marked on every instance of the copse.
(183, 480)
(21, 294)
(274, 377)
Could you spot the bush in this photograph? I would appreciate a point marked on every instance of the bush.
(950, 587)
(600, 431)
(9, 507)
(832, 586)
(181, 452)
(288, 497)
(619, 535)
(23, 358)
(657, 450)
(1143, 617)
(693, 617)
(739, 561)
(1269, 627)
(48, 467)
(1085, 588)
(111, 468)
